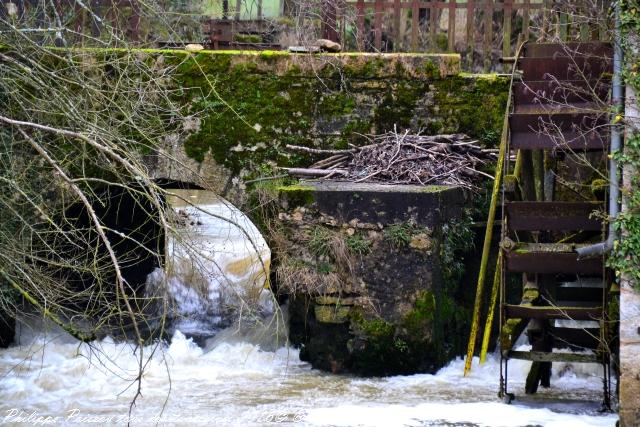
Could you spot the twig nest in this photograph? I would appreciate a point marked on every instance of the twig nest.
(193, 47)
(328, 45)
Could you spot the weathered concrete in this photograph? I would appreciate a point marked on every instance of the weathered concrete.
(364, 267)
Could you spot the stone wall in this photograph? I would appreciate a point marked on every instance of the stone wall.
(368, 272)
(247, 106)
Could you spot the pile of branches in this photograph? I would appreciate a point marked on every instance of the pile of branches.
(404, 159)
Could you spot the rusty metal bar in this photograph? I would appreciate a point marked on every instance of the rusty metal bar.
(552, 216)
(537, 312)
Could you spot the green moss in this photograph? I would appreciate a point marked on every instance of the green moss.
(252, 104)
(248, 38)
(420, 318)
(474, 106)
(387, 348)
(296, 195)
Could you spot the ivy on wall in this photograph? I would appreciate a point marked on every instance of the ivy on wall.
(625, 259)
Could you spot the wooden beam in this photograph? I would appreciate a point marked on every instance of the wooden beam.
(451, 45)
(415, 24)
(539, 356)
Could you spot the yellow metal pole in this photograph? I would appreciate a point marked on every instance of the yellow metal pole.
(492, 309)
(487, 245)
(497, 182)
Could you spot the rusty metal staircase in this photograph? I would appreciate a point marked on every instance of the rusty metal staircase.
(553, 203)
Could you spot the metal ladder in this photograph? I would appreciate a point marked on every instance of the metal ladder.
(553, 204)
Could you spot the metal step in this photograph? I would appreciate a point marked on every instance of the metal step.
(564, 68)
(587, 338)
(575, 111)
(552, 216)
(550, 50)
(548, 312)
(550, 258)
(560, 131)
(541, 356)
(561, 92)
(566, 293)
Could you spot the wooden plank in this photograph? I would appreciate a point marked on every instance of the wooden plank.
(452, 26)
(404, 14)
(548, 312)
(433, 24)
(550, 93)
(488, 33)
(415, 24)
(445, 5)
(526, 19)
(377, 24)
(564, 68)
(397, 16)
(539, 356)
(360, 15)
(546, 22)
(470, 32)
(329, 21)
(238, 10)
(563, 26)
(584, 24)
(506, 30)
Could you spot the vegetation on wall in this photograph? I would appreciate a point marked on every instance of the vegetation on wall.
(270, 100)
(626, 254)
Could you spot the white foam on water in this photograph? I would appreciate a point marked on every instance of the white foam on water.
(217, 265)
(238, 383)
(237, 379)
(489, 414)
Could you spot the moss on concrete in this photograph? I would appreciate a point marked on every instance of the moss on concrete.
(255, 103)
(380, 347)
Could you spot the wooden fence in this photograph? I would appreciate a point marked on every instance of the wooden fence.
(484, 28)
(481, 30)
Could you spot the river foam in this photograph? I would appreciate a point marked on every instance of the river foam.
(237, 383)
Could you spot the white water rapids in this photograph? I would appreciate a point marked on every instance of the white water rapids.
(238, 384)
(246, 380)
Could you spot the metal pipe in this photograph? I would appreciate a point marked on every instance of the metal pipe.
(616, 144)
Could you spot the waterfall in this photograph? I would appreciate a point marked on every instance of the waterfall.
(217, 266)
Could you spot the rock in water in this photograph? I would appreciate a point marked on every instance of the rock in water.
(328, 45)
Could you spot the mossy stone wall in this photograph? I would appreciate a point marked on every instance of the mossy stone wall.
(248, 105)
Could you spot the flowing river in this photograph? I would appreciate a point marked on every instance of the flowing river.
(250, 379)
(49, 379)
